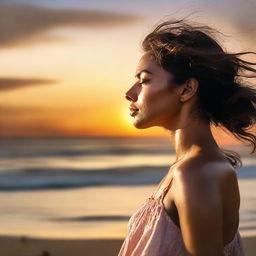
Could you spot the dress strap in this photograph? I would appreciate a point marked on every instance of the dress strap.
(163, 192)
(166, 189)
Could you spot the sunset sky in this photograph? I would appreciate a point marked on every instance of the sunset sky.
(66, 65)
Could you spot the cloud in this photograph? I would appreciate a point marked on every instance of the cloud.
(31, 115)
(35, 110)
(17, 83)
(21, 110)
(20, 120)
(240, 14)
(22, 22)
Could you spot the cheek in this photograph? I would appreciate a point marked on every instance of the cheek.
(161, 104)
(164, 105)
(161, 98)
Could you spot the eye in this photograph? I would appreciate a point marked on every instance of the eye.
(144, 82)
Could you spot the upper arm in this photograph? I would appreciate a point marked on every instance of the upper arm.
(198, 202)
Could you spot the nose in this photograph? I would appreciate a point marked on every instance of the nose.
(128, 97)
(131, 94)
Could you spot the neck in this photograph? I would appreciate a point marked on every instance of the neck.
(193, 138)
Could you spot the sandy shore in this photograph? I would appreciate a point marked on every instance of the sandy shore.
(72, 222)
(25, 246)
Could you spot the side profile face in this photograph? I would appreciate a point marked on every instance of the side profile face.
(154, 95)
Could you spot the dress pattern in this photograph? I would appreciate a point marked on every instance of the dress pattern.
(151, 232)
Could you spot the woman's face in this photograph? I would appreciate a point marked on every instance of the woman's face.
(154, 95)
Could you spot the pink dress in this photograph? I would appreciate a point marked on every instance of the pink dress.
(151, 232)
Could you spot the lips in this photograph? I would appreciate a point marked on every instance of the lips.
(133, 111)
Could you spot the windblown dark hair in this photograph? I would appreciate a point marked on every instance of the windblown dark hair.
(187, 50)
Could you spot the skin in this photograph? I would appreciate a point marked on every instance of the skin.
(204, 197)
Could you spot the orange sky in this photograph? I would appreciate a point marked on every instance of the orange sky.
(67, 76)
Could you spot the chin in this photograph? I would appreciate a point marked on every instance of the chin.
(141, 124)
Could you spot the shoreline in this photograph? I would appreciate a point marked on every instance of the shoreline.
(32, 246)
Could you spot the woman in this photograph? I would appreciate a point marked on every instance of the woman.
(186, 82)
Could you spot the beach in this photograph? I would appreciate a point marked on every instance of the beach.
(65, 197)
(79, 247)
(24, 246)
(90, 234)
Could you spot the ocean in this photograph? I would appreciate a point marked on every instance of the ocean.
(89, 187)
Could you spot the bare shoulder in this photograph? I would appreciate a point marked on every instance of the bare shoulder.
(209, 179)
(199, 196)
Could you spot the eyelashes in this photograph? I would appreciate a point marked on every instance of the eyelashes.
(144, 82)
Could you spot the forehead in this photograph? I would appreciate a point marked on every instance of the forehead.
(147, 61)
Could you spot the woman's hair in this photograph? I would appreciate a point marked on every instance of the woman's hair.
(186, 51)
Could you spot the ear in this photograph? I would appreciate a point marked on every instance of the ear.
(188, 89)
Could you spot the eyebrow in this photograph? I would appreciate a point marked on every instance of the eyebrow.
(144, 70)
